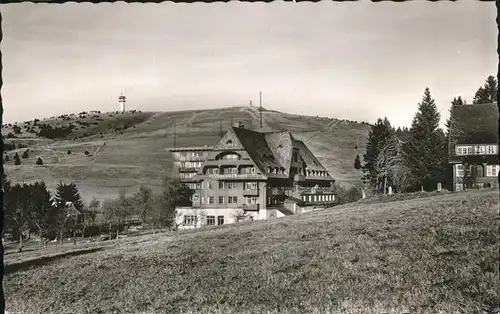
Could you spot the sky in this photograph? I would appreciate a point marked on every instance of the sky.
(354, 60)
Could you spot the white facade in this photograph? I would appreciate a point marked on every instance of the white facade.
(190, 218)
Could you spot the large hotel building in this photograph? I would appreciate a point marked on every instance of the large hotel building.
(250, 175)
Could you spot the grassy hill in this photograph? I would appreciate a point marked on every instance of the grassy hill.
(136, 155)
(436, 254)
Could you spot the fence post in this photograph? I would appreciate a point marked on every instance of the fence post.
(439, 187)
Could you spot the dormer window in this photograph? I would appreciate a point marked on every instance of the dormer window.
(229, 142)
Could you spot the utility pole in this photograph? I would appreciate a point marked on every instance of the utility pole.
(260, 111)
(221, 129)
(174, 136)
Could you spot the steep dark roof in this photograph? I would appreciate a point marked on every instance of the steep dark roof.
(311, 161)
(474, 124)
(274, 149)
(256, 145)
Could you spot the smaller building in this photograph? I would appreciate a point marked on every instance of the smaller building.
(473, 146)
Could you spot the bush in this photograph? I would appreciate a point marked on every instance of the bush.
(69, 152)
(7, 158)
(39, 161)
(87, 152)
(347, 195)
(25, 155)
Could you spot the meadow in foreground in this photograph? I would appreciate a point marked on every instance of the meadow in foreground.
(418, 256)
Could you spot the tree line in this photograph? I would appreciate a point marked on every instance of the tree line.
(415, 158)
(31, 208)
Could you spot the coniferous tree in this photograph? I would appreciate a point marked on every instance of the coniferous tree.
(25, 155)
(357, 163)
(425, 147)
(17, 160)
(69, 193)
(39, 161)
(7, 158)
(487, 93)
(40, 206)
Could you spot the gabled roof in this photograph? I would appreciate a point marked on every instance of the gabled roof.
(474, 124)
(257, 147)
(272, 149)
(311, 161)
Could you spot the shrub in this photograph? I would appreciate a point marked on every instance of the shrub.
(7, 158)
(87, 152)
(347, 195)
(25, 155)
(39, 161)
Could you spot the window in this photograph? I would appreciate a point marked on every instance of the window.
(469, 150)
(231, 170)
(492, 149)
(232, 200)
(189, 220)
(202, 200)
(220, 220)
(196, 198)
(250, 185)
(231, 185)
(209, 184)
(211, 200)
(460, 170)
(210, 220)
(221, 184)
(254, 200)
(492, 170)
(221, 199)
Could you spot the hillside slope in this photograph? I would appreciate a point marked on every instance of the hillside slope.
(136, 155)
(436, 254)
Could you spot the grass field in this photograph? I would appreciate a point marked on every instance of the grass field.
(422, 255)
(135, 156)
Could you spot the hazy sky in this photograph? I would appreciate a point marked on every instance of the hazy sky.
(357, 60)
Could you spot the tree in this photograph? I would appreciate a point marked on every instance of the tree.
(17, 161)
(487, 93)
(425, 147)
(357, 163)
(377, 137)
(392, 165)
(111, 215)
(124, 207)
(25, 155)
(40, 205)
(59, 216)
(16, 209)
(39, 161)
(7, 158)
(144, 202)
(69, 193)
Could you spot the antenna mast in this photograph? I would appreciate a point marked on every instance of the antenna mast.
(174, 136)
(260, 111)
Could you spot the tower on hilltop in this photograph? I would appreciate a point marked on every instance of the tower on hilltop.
(122, 100)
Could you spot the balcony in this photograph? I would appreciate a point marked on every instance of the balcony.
(188, 169)
(313, 190)
(252, 207)
(228, 162)
(251, 192)
(235, 176)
